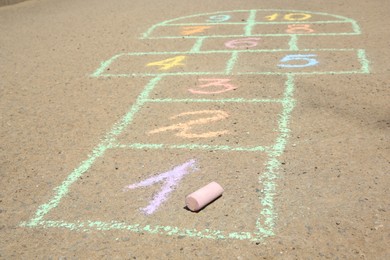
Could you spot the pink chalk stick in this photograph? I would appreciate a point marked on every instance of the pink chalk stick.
(200, 198)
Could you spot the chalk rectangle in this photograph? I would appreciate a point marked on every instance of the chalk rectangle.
(195, 31)
(236, 126)
(259, 43)
(305, 28)
(205, 88)
(94, 198)
(324, 61)
(162, 63)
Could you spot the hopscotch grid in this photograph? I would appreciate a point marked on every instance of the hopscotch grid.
(266, 220)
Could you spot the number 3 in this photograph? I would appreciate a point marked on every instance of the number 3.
(213, 83)
(307, 58)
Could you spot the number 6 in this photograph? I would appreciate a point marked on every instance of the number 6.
(298, 57)
(243, 43)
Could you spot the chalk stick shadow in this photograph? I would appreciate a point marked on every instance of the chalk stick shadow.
(211, 202)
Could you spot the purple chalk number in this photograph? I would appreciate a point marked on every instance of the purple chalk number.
(170, 180)
(295, 61)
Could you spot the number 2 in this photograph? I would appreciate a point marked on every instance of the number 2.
(185, 128)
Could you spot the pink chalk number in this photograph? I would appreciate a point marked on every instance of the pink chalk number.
(170, 180)
(223, 84)
(243, 43)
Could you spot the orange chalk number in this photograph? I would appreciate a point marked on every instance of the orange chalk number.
(184, 129)
(193, 29)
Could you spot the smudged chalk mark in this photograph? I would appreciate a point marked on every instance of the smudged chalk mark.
(170, 178)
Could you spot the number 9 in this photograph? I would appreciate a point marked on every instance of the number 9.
(218, 18)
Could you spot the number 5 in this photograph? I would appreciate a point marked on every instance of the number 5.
(307, 58)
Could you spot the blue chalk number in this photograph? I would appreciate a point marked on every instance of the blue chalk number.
(289, 61)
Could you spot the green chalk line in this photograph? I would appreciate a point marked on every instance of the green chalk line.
(358, 71)
(197, 45)
(216, 52)
(104, 65)
(204, 100)
(363, 61)
(293, 43)
(193, 147)
(230, 63)
(273, 164)
(97, 152)
(250, 23)
(255, 35)
(88, 225)
(261, 23)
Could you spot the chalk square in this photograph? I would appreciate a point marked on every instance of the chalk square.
(210, 125)
(253, 43)
(162, 45)
(204, 88)
(336, 42)
(299, 62)
(195, 31)
(157, 63)
(213, 18)
(283, 16)
(95, 198)
(304, 28)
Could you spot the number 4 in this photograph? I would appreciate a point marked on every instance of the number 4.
(168, 63)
